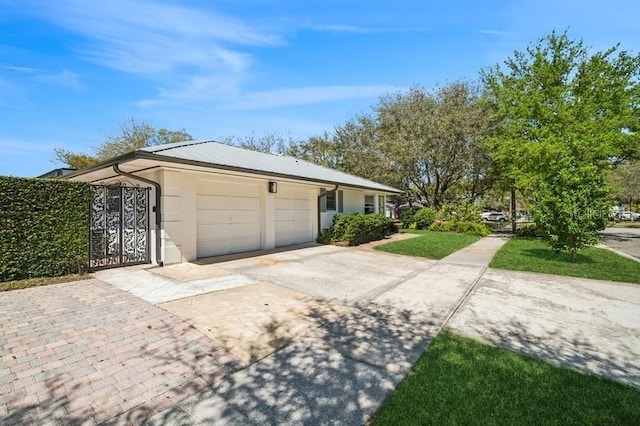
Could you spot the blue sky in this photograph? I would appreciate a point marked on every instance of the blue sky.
(72, 71)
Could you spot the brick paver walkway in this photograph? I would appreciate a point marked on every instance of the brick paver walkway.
(88, 352)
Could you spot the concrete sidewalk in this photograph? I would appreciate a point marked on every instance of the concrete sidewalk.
(479, 253)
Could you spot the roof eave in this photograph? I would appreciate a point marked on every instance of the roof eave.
(108, 163)
(153, 156)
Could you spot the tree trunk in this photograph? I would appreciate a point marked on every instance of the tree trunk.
(513, 210)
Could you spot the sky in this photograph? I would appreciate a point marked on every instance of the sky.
(74, 71)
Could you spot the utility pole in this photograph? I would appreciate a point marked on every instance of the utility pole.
(513, 210)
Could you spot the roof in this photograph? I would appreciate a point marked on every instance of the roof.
(218, 155)
(56, 173)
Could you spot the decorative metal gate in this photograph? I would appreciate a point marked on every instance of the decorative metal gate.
(119, 230)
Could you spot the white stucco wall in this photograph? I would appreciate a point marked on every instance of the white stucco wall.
(353, 202)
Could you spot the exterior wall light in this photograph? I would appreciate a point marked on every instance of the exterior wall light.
(273, 187)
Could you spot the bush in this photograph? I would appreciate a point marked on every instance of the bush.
(424, 218)
(407, 216)
(460, 212)
(356, 229)
(529, 231)
(43, 227)
(468, 228)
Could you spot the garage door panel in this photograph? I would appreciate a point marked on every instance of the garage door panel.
(283, 215)
(244, 216)
(293, 218)
(211, 217)
(240, 190)
(208, 248)
(215, 232)
(244, 203)
(228, 218)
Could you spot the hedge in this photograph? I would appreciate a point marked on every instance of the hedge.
(469, 228)
(43, 227)
(356, 228)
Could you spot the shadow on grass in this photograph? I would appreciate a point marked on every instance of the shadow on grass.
(551, 255)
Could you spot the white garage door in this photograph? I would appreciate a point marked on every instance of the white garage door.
(228, 218)
(293, 215)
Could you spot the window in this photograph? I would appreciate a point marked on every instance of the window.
(381, 204)
(331, 201)
(368, 204)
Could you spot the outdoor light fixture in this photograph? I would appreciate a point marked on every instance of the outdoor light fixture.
(273, 187)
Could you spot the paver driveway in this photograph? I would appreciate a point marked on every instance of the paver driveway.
(88, 352)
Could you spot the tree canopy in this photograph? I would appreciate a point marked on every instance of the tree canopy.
(133, 135)
(565, 116)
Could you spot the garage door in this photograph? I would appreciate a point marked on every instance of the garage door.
(228, 218)
(293, 215)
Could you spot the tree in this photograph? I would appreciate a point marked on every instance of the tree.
(132, 136)
(434, 140)
(269, 143)
(566, 117)
(625, 180)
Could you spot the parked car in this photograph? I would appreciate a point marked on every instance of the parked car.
(497, 217)
(627, 215)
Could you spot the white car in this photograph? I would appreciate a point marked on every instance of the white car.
(497, 217)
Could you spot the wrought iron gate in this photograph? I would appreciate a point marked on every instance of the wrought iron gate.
(119, 229)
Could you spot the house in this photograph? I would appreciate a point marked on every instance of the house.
(182, 201)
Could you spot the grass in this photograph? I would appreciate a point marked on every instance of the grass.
(37, 282)
(430, 244)
(461, 381)
(533, 255)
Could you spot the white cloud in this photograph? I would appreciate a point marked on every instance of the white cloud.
(190, 53)
(356, 29)
(340, 28)
(290, 96)
(63, 78)
(26, 70)
(146, 37)
(498, 33)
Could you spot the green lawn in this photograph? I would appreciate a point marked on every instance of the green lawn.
(37, 282)
(461, 381)
(533, 255)
(430, 244)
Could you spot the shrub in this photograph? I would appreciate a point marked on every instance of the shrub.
(529, 231)
(356, 229)
(407, 217)
(460, 212)
(43, 227)
(469, 228)
(424, 218)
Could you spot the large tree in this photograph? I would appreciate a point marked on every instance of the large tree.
(132, 135)
(433, 138)
(566, 117)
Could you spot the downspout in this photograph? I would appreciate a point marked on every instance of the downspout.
(320, 205)
(157, 207)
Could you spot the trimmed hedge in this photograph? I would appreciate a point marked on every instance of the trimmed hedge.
(356, 228)
(43, 227)
(469, 228)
